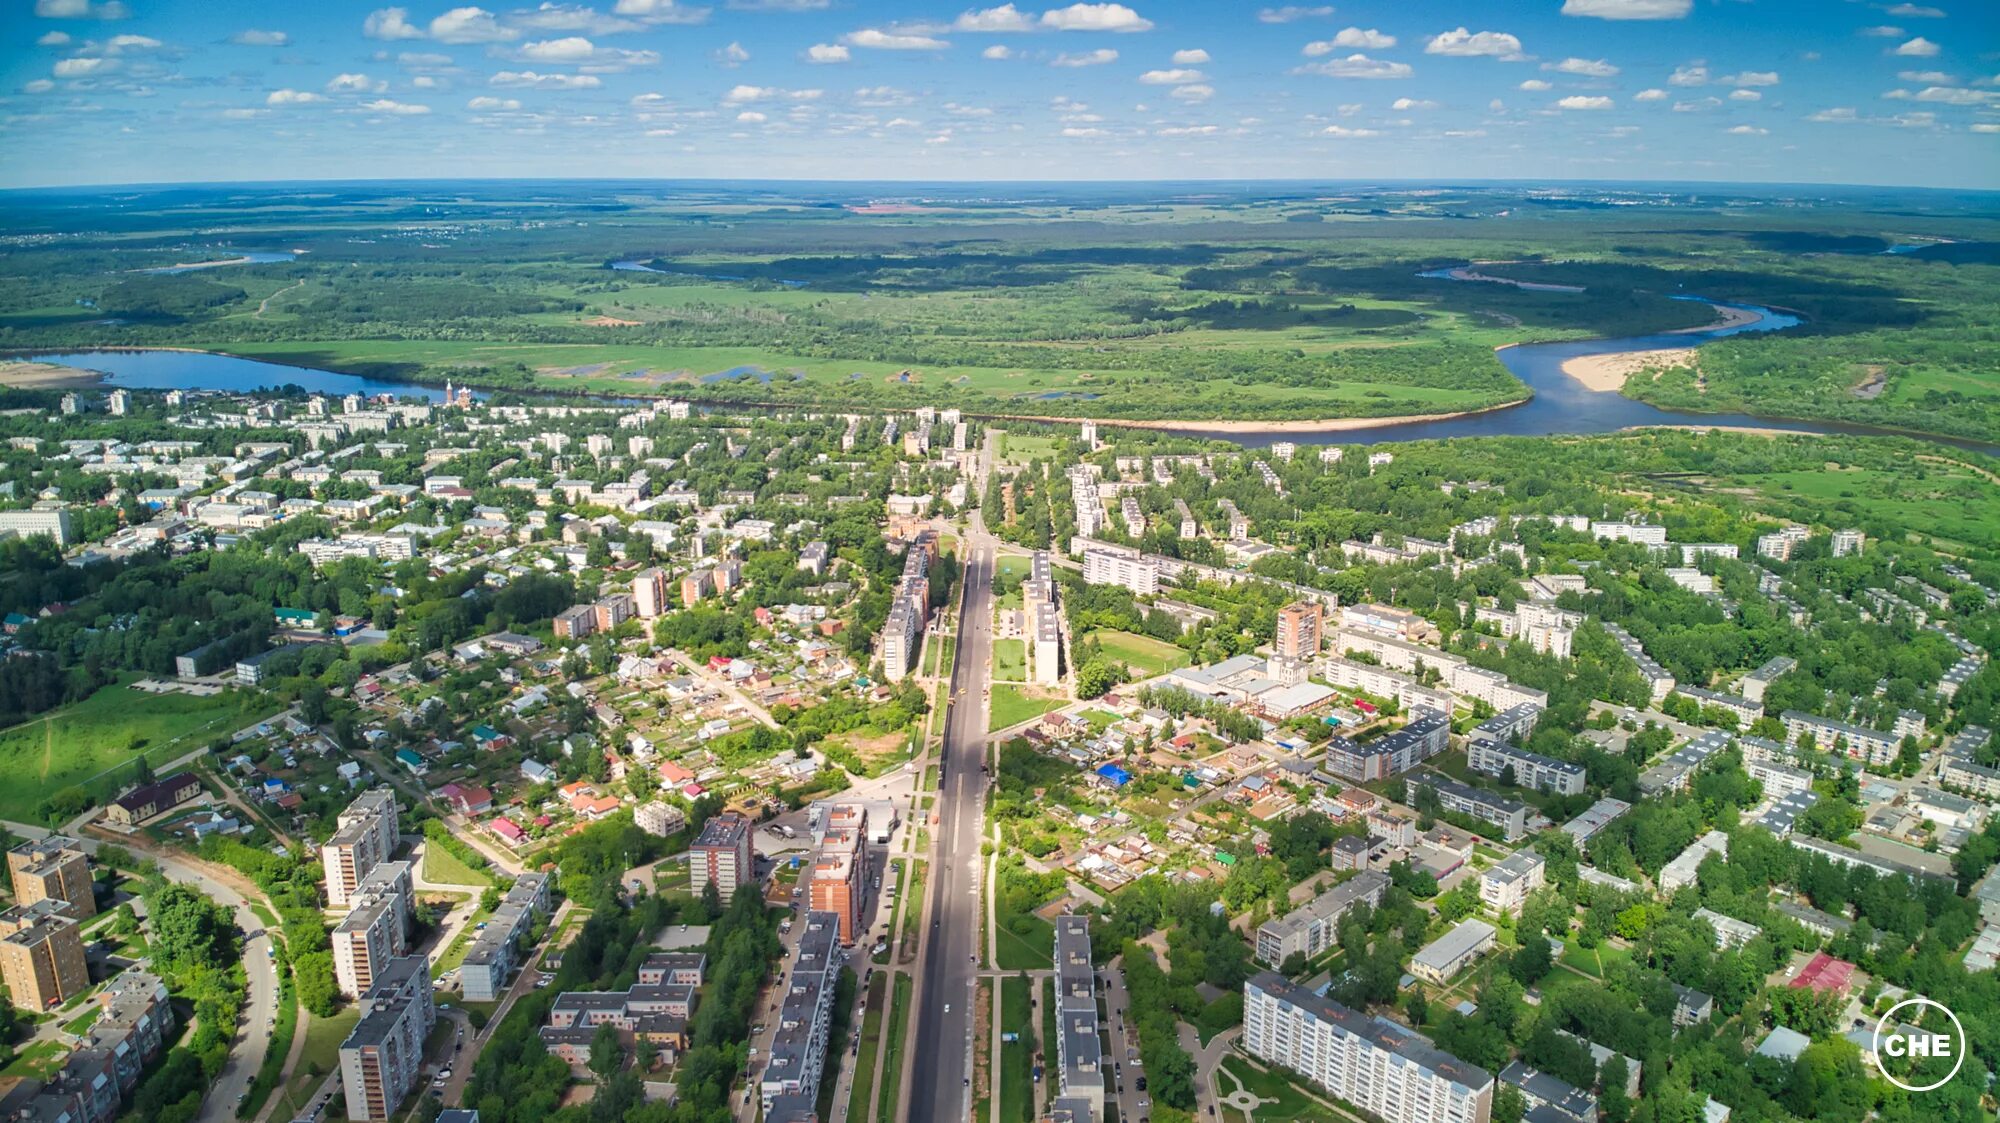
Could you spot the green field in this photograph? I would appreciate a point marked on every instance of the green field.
(1010, 660)
(1283, 1102)
(1141, 653)
(446, 868)
(1015, 704)
(897, 1048)
(89, 744)
(1952, 502)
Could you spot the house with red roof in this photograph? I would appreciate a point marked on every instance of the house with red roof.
(467, 799)
(1824, 973)
(596, 807)
(506, 829)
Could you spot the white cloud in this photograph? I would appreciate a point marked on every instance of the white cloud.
(242, 114)
(1650, 95)
(1177, 77)
(824, 53)
(1915, 120)
(664, 11)
(779, 5)
(740, 94)
(84, 67)
(1928, 77)
(1351, 38)
(1537, 85)
(483, 104)
(996, 52)
(255, 38)
(529, 79)
(470, 25)
(1194, 57)
(751, 117)
(1881, 32)
(82, 9)
(733, 55)
(878, 40)
(353, 84)
(1188, 130)
(1748, 130)
(1081, 131)
(1693, 75)
(53, 39)
(1578, 101)
(1627, 9)
(1198, 92)
(1474, 44)
(574, 50)
(1698, 105)
(1342, 130)
(1983, 127)
(1404, 104)
(1587, 68)
(1095, 17)
(1358, 66)
(1919, 47)
(1836, 115)
(1951, 95)
(1916, 11)
(1745, 95)
(38, 86)
(1098, 57)
(1006, 17)
(1750, 78)
(292, 97)
(390, 23)
(131, 45)
(398, 108)
(551, 16)
(1292, 13)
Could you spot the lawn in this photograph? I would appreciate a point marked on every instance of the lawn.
(80, 1026)
(37, 1061)
(1019, 448)
(1048, 1034)
(1025, 941)
(1017, 1057)
(90, 744)
(1141, 653)
(892, 1066)
(1013, 705)
(1010, 660)
(1285, 1103)
(1592, 961)
(446, 868)
(861, 1095)
(910, 894)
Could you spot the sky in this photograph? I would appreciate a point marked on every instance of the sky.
(1795, 91)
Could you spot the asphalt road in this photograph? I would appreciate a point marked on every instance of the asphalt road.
(944, 1041)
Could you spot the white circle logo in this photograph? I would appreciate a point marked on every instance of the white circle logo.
(1892, 1041)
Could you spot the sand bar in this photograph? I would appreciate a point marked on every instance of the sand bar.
(1608, 372)
(20, 375)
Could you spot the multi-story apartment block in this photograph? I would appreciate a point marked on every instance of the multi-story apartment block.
(805, 1019)
(721, 856)
(902, 638)
(840, 874)
(1531, 770)
(1779, 780)
(53, 869)
(1757, 681)
(1509, 815)
(1299, 631)
(1657, 677)
(491, 959)
(1847, 542)
(1079, 1050)
(1407, 691)
(1312, 927)
(1779, 545)
(1114, 565)
(649, 592)
(655, 1009)
(1452, 952)
(365, 836)
(1373, 1063)
(1426, 735)
(375, 930)
(1871, 746)
(1681, 871)
(1505, 887)
(381, 1060)
(41, 954)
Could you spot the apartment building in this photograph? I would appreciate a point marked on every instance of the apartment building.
(1312, 927)
(1045, 633)
(902, 638)
(1452, 952)
(1779, 780)
(805, 1018)
(654, 1009)
(1757, 681)
(56, 869)
(1504, 887)
(1299, 632)
(1531, 770)
(649, 593)
(382, 1059)
(1079, 1050)
(1372, 1063)
(1117, 565)
(375, 930)
(1681, 871)
(1426, 735)
(491, 959)
(1406, 691)
(721, 855)
(839, 885)
(157, 798)
(365, 835)
(1871, 746)
(1508, 815)
(41, 955)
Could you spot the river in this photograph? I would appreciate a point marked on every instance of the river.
(1560, 406)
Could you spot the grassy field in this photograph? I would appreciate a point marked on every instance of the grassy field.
(89, 744)
(1015, 704)
(1017, 1057)
(1025, 941)
(1592, 961)
(37, 1061)
(446, 868)
(1284, 1103)
(861, 1094)
(1956, 504)
(1021, 449)
(1142, 653)
(1010, 660)
(892, 1064)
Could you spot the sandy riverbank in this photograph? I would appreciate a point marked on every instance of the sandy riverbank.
(1252, 428)
(1609, 372)
(45, 376)
(1728, 317)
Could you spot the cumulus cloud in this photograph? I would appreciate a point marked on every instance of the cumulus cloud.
(82, 9)
(1691, 75)
(1344, 131)
(1650, 95)
(390, 23)
(1405, 104)
(1006, 17)
(1176, 77)
(53, 39)
(1193, 57)
(38, 86)
(252, 37)
(484, 104)
(1839, 115)
(1881, 32)
(1747, 130)
(1292, 13)
(1750, 78)
(1082, 131)
(1194, 94)
(551, 16)
(1916, 11)
(1095, 17)
(1627, 9)
(292, 97)
(1745, 95)
(1475, 44)
(574, 50)
(353, 84)
(84, 67)
(396, 108)
(1098, 57)
(751, 117)
(1359, 66)
(529, 79)
(1919, 47)
(1985, 127)
(876, 39)
(997, 51)
(740, 95)
(1698, 105)
(1927, 77)
(1188, 130)
(1537, 85)
(1578, 101)
(1952, 95)
(733, 55)
(828, 52)
(1351, 38)
(1583, 67)
(665, 11)
(470, 25)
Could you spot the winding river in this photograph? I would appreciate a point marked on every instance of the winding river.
(1560, 404)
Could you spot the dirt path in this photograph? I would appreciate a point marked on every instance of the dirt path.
(1982, 473)
(266, 302)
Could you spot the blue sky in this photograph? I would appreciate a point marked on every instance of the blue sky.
(1835, 91)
